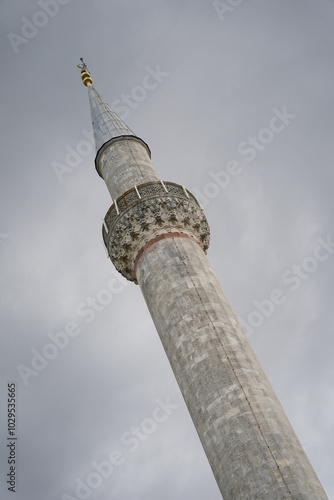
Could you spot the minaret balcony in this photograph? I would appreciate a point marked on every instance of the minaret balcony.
(148, 211)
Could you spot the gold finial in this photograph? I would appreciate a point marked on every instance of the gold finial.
(85, 76)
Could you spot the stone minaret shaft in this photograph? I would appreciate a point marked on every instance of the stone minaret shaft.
(156, 235)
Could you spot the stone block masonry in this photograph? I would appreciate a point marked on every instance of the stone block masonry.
(250, 444)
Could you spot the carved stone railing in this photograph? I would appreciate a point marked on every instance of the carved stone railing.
(145, 212)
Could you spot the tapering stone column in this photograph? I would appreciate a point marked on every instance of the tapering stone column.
(250, 444)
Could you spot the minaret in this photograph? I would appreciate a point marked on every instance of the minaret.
(156, 235)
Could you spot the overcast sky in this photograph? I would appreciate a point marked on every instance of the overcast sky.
(252, 84)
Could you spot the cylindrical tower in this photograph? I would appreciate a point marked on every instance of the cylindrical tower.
(156, 234)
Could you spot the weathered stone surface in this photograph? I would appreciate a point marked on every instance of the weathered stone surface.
(124, 164)
(251, 446)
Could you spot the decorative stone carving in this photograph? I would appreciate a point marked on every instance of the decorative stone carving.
(145, 212)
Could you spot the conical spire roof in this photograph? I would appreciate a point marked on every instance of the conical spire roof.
(107, 124)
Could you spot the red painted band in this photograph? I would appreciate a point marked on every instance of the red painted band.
(158, 238)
